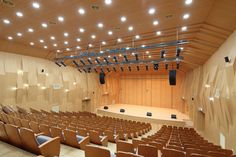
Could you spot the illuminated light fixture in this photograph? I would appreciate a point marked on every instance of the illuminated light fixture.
(19, 14)
(6, 21)
(66, 90)
(123, 19)
(181, 48)
(184, 28)
(44, 25)
(9, 38)
(43, 87)
(30, 30)
(78, 39)
(19, 34)
(55, 45)
(81, 30)
(108, 2)
(36, 5)
(149, 56)
(188, 2)
(155, 66)
(66, 42)
(67, 49)
(78, 47)
(14, 88)
(207, 86)
(52, 38)
(45, 47)
(103, 43)
(130, 28)
(211, 99)
(31, 43)
(143, 46)
(74, 83)
(155, 22)
(133, 53)
(60, 18)
(127, 48)
(41, 40)
(26, 85)
(93, 36)
(151, 11)
(186, 16)
(46, 74)
(101, 51)
(19, 72)
(166, 66)
(158, 33)
(137, 37)
(100, 25)
(66, 34)
(120, 55)
(90, 45)
(109, 56)
(81, 11)
(178, 50)
(63, 63)
(147, 52)
(163, 53)
(119, 40)
(58, 50)
(110, 32)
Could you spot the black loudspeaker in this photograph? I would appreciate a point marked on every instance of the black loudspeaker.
(122, 110)
(102, 78)
(173, 116)
(227, 60)
(105, 107)
(172, 77)
(149, 114)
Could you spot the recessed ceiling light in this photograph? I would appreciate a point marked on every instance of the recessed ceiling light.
(66, 42)
(151, 11)
(119, 39)
(44, 25)
(102, 52)
(6, 21)
(147, 52)
(60, 18)
(41, 41)
(78, 47)
(81, 11)
(31, 43)
(137, 36)
(181, 48)
(52, 38)
(9, 38)
(100, 25)
(55, 45)
(109, 56)
(36, 5)
(120, 55)
(81, 30)
(123, 18)
(30, 30)
(110, 32)
(58, 50)
(19, 14)
(184, 28)
(67, 49)
(93, 36)
(149, 56)
(127, 48)
(90, 45)
(45, 47)
(155, 23)
(130, 28)
(108, 2)
(188, 2)
(78, 39)
(103, 43)
(143, 45)
(19, 34)
(66, 34)
(186, 16)
(158, 33)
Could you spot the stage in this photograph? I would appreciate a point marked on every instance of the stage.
(134, 112)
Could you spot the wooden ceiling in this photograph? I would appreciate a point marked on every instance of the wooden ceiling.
(209, 25)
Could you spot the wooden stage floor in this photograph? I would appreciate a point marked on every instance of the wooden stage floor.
(135, 112)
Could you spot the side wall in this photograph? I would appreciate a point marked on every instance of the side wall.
(212, 88)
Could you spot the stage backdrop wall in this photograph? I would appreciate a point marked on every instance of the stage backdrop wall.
(144, 89)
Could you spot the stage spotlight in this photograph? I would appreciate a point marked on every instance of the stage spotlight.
(58, 64)
(115, 59)
(166, 66)
(178, 50)
(97, 61)
(114, 69)
(75, 63)
(129, 68)
(62, 63)
(146, 67)
(163, 53)
(136, 57)
(122, 69)
(177, 65)
(95, 70)
(125, 58)
(155, 66)
(89, 61)
(82, 62)
(138, 68)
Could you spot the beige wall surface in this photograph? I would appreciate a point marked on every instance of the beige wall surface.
(23, 83)
(213, 87)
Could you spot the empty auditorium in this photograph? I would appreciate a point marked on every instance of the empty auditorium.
(117, 78)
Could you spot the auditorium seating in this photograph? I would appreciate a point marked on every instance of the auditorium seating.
(147, 150)
(127, 154)
(94, 151)
(111, 136)
(124, 147)
(97, 138)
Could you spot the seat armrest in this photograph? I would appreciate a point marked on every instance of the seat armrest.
(104, 141)
(51, 148)
(84, 142)
(41, 133)
(116, 138)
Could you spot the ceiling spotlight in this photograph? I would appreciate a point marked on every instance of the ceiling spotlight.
(19, 34)
(66, 34)
(66, 42)
(60, 18)
(9, 38)
(151, 11)
(45, 47)
(78, 47)
(158, 33)
(55, 45)
(81, 30)
(181, 48)
(58, 50)
(147, 52)
(149, 56)
(130, 28)
(78, 39)
(41, 41)
(155, 23)
(90, 45)
(100, 25)
(44, 25)
(36, 5)
(6, 21)
(93, 36)
(123, 18)
(143, 46)
(52, 37)
(120, 55)
(119, 40)
(186, 16)
(109, 56)
(110, 32)
(19, 14)
(103, 43)
(184, 28)
(81, 11)
(30, 30)
(137, 37)
(108, 2)
(31, 43)
(188, 2)
(67, 49)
